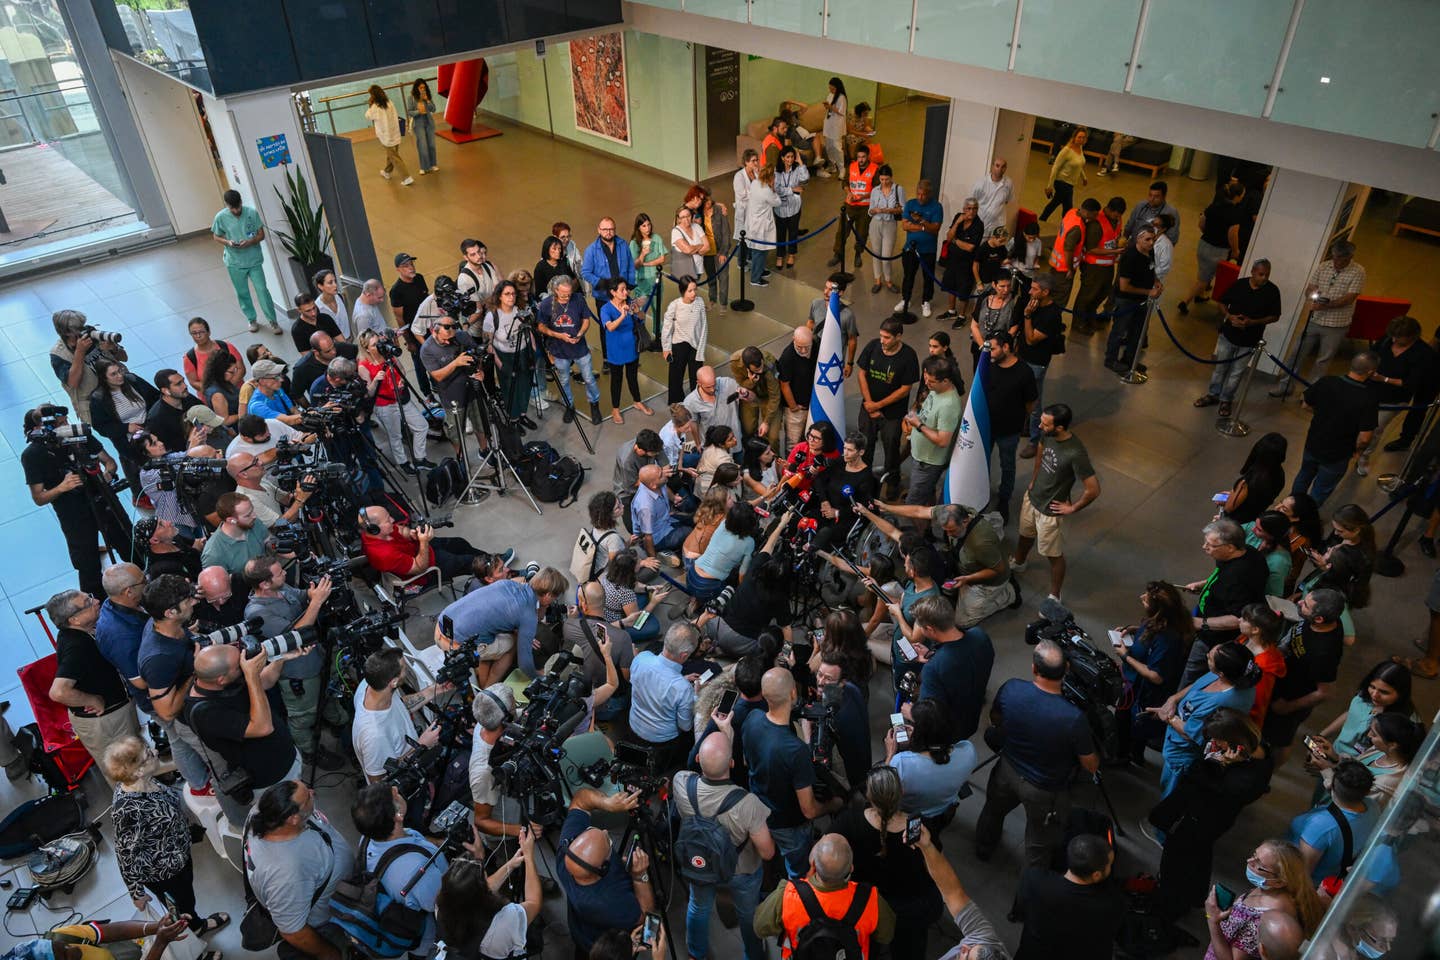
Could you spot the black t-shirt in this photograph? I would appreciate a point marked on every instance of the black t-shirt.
(1246, 301)
(209, 493)
(753, 607)
(885, 374)
(219, 719)
(168, 423)
(209, 617)
(1220, 216)
(988, 260)
(1065, 919)
(957, 675)
(1312, 657)
(974, 233)
(434, 355)
(779, 765)
(408, 297)
(1046, 320)
(1409, 368)
(48, 468)
(1343, 408)
(1233, 584)
(1137, 268)
(185, 562)
(831, 488)
(798, 372)
(80, 660)
(300, 330)
(1007, 391)
(899, 875)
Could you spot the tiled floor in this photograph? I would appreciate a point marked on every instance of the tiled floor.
(1159, 459)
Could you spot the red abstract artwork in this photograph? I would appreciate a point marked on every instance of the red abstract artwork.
(597, 78)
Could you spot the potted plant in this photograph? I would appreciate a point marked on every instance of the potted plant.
(309, 239)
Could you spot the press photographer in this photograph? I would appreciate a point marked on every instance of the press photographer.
(74, 355)
(65, 467)
(392, 399)
(602, 891)
(496, 815)
(270, 400)
(407, 549)
(220, 603)
(383, 727)
(166, 550)
(452, 358)
(280, 608)
(270, 504)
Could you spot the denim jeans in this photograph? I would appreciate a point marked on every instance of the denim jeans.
(1124, 341)
(1323, 474)
(1007, 447)
(587, 371)
(793, 844)
(745, 891)
(757, 263)
(1228, 371)
(1039, 369)
(424, 126)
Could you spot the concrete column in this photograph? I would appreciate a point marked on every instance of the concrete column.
(1012, 142)
(1292, 232)
(238, 122)
(969, 145)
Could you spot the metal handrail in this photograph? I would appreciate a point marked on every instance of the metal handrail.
(45, 93)
(402, 90)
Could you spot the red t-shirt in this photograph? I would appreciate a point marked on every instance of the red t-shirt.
(396, 555)
(196, 370)
(1272, 666)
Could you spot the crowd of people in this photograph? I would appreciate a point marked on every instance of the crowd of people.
(683, 626)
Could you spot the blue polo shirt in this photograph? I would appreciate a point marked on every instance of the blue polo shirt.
(932, 212)
(505, 606)
(650, 513)
(269, 407)
(117, 634)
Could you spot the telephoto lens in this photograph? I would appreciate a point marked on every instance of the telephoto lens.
(281, 644)
(101, 336)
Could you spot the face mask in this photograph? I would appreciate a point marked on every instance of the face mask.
(1255, 878)
(1366, 949)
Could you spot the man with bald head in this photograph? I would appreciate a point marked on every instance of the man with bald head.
(583, 633)
(239, 716)
(602, 892)
(796, 373)
(711, 794)
(826, 888)
(247, 471)
(1280, 936)
(222, 600)
(404, 550)
(781, 773)
(711, 401)
(650, 517)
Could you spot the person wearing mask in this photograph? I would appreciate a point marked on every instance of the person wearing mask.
(1333, 836)
(240, 231)
(742, 815)
(563, 319)
(1045, 738)
(294, 860)
(1074, 914)
(602, 891)
(827, 889)
(503, 616)
(1229, 682)
(85, 683)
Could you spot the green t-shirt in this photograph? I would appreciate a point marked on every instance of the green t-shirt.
(1062, 463)
(222, 551)
(940, 411)
(239, 228)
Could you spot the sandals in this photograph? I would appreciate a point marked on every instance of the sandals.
(1413, 665)
(212, 955)
(216, 921)
(1224, 411)
(1209, 400)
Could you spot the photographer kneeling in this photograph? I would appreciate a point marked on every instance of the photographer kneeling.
(283, 608)
(236, 712)
(404, 550)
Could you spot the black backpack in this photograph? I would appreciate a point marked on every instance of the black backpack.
(445, 481)
(558, 482)
(703, 847)
(826, 937)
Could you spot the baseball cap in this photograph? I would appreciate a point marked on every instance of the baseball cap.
(204, 416)
(267, 368)
(403, 258)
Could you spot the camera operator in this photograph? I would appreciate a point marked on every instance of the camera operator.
(383, 726)
(742, 815)
(1044, 736)
(781, 773)
(564, 319)
(412, 877)
(496, 815)
(204, 496)
(147, 448)
(602, 892)
(586, 633)
(51, 476)
(166, 550)
(237, 713)
(240, 537)
(850, 720)
(261, 437)
(406, 550)
(74, 355)
(218, 604)
(957, 662)
(393, 406)
(282, 608)
(269, 400)
(662, 697)
(503, 615)
(450, 354)
(294, 860)
(265, 499)
(474, 920)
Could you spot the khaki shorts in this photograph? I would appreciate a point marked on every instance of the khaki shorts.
(1043, 528)
(497, 648)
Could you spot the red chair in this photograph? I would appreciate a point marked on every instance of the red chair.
(1023, 217)
(1226, 273)
(53, 719)
(1373, 314)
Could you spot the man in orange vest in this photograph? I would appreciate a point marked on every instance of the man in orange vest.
(855, 211)
(774, 142)
(1069, 246)
(827, 906)
(1097, 266)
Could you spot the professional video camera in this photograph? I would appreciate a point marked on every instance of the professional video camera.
(365, 634)
(177, 469)
(291, 475)
(246, 635)
(71, 438)
(412, 772)
(634, 767)
(1093, 681)
(526, 760)
(450, 301)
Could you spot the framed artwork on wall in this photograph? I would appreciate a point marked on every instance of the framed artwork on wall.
(597, 80)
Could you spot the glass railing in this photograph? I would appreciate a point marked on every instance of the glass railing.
(340, 109)
(1390, 903)
(161, 34)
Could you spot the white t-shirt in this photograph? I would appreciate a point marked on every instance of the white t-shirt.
(482, 778)
(378, 735)
(506, 936)
(835, 123)
(278, 431)
(695, 236)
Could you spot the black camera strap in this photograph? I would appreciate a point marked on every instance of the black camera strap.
(590, 637)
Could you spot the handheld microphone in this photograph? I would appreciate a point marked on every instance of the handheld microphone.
(849, 492)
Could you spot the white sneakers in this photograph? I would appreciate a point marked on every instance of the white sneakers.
(925, 308)
(433, 169)
(421, 171)
(407, 181)
(899, 307)
(385, 174)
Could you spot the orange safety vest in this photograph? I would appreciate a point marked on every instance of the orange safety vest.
(835, 903)
(1105, 254)
(860, 183)
(1059, 261)
(771, 141)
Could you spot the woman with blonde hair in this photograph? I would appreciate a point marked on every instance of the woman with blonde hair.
(1279, 881)
(152, 836)
(707, 519)
(381, 113)
(1066, 173)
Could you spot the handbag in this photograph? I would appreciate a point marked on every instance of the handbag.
(644, 339)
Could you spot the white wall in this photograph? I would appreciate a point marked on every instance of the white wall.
(969, 145)
(175, 143)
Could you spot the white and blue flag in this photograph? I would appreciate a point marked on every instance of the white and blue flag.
(827, 398)
(967, 482)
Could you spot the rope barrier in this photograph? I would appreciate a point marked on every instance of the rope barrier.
(1113, 313)
(1286, 367)
(701, 281)
(1181, 347)
(940, 286)
(796, 242)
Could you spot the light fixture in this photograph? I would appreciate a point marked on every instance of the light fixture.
(1324, 79)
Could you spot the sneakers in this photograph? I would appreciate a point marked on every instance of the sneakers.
(204, 791)
(275, 327)
(762, 282)
(925, 309)
(1018, 565)
(434, 168)
(947, 315)
(420, 172)
(254, 326)
(899, 307)
(508, 555)
(385, 174)
(823, 173)
(595, 413)
(407, 181)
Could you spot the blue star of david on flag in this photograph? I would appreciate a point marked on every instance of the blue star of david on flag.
(827, 397)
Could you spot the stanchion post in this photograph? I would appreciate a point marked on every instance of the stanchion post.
(1233, 426)
(1135, 376)
(742, 305)
(1390, 482)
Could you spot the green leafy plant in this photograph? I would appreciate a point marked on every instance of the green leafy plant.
(309, 238)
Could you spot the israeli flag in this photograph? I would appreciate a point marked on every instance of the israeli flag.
(827, 398)
(967, 481)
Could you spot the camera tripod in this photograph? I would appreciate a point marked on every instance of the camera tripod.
(495, 459)
(551, 376)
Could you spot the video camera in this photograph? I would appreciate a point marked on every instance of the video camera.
(178, 469)
(291, 475)
(526, 760)
(386, 346)
(634, 767)
(1093, 681)
(247, 636)
(52, 433)
(450, 301)
(412, 772)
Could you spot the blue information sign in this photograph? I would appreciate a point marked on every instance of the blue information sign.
(274, 151)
